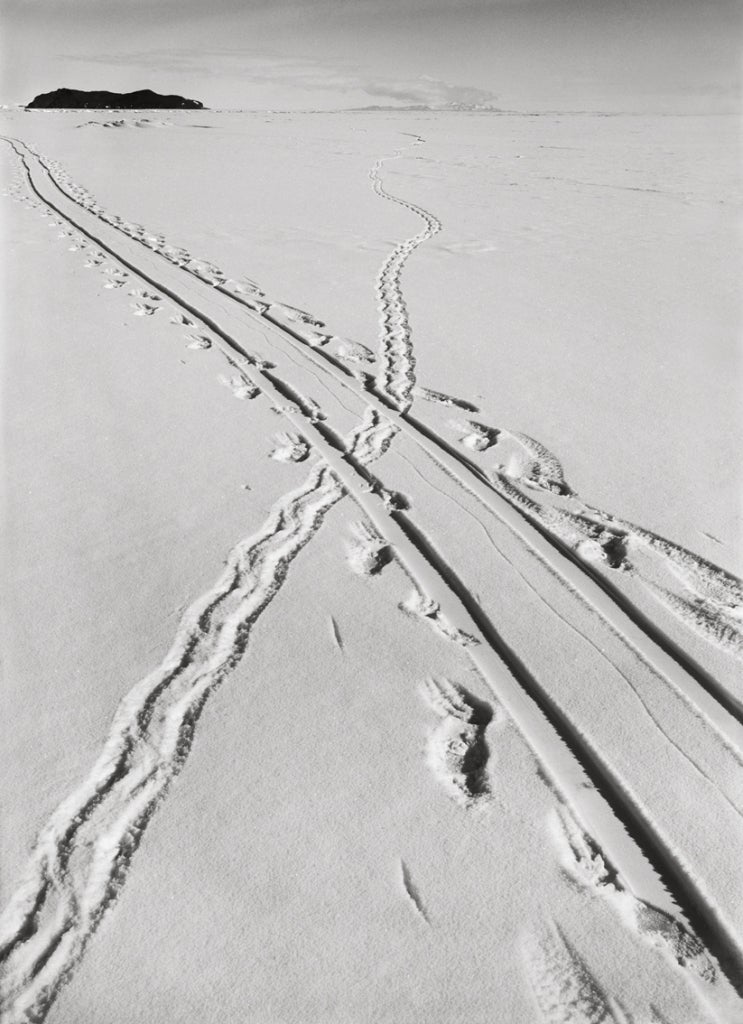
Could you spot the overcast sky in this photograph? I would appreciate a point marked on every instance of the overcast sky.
(676, 55)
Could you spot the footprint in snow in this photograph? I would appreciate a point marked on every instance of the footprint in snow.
(247, 285)
(368, 554)
(478, 437)
(207, 272)
(116, 278)
(429, 395)
(458, 751)
(291, 448)
(354, 352)
(241, 386)
(144, 309)
(197, 341)
(297, 315)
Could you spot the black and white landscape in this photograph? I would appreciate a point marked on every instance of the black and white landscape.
(373, 617)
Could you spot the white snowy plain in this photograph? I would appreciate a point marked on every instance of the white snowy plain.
(371, 522)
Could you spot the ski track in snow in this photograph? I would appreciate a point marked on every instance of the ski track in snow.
(82, 855)
(587, 864)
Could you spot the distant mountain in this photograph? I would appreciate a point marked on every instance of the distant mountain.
(142, 99)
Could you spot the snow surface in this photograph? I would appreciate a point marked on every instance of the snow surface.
(371, 514)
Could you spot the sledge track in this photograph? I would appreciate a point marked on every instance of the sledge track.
(576, 769)
(674, 665)
(666, 668)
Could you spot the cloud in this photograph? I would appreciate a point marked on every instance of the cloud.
(261, 68)
(431, 92)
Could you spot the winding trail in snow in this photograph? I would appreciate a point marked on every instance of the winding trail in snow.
(396, 377)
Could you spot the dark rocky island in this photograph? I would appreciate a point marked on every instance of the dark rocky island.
(81, 99)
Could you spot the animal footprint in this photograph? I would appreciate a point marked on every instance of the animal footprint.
(144, 309)
(298, 315)
(355, 352)
(478, 437)
(176, 255)
(198, 341)
(142, 293)
(247, 286)
(368, 554)
(425, 608)
(458, 752)
(241, 386)
(292, 448)
(429, 395)
(182, 319)
(207, 271)
(116, 277)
